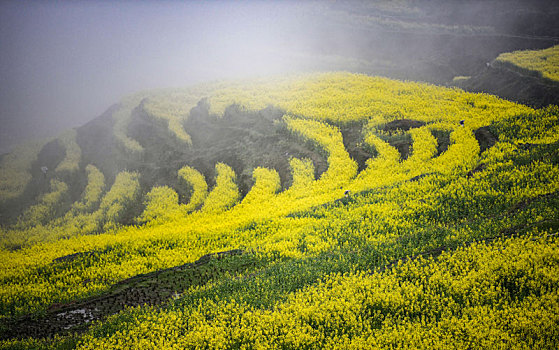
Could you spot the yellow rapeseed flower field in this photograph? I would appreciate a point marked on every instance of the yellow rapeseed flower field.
(446, 247)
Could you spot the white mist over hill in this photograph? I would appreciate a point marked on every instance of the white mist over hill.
(64, 63)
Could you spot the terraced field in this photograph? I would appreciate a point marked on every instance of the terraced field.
(542, 63)
(329, 210)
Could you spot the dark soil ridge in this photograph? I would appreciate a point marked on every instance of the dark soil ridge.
(402, 124)
(241, 139)
(484, 136)
(523, 86)
(404, 143)
(154, 288)
(352, 134)
(524, 72)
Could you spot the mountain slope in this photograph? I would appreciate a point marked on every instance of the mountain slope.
(356, 210)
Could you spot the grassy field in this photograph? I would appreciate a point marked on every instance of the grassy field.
(445, 236)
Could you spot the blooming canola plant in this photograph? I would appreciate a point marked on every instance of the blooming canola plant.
(334, 269)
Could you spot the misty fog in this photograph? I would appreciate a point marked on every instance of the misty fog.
(64, 63)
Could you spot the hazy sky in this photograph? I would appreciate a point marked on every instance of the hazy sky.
(64, 63)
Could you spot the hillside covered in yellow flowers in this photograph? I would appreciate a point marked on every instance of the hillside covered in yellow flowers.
(314, 211)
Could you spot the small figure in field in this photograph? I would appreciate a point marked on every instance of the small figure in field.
(346, 193)
(44, 169)
(462, 122)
